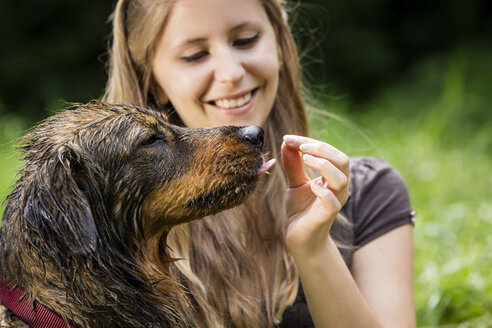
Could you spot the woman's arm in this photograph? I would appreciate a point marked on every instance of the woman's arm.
(332, 294)
(383, 270)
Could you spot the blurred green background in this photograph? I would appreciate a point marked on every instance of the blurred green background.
(410, 82)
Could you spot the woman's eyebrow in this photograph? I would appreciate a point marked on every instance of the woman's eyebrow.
(247, 24)
(188, 42)
(240, 26)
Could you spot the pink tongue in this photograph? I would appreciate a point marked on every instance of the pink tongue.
(266, 166)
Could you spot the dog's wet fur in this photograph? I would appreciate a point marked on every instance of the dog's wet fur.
(84, 231)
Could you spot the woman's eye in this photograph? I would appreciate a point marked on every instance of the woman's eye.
(194, 57)
(243, 42)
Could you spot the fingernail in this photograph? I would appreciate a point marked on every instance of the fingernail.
(304, 147)
(288, 139)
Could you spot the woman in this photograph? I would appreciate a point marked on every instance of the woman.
(234, 62)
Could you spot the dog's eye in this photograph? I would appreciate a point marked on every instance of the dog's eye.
(152, 140)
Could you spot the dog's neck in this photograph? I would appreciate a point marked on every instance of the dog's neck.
(154, 264)
(110, 288)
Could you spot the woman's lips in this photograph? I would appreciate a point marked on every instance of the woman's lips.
(234, 103)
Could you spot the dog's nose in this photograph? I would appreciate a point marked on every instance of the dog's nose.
(253, 135)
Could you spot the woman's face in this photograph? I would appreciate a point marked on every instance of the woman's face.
(216, 61)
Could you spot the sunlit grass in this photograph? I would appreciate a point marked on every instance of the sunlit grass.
(11, 127)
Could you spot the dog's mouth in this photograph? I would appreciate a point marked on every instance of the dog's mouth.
(223, 198)
(266, 166)
(231, 194)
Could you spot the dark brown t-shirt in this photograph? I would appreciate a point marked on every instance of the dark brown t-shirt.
(378, 203)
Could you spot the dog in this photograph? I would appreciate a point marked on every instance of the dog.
(83, 236)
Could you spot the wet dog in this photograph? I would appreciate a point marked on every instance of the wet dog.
(84, 231)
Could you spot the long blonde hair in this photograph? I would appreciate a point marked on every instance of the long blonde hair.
(235, 264)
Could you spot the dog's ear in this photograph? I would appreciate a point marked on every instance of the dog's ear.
(57, 209)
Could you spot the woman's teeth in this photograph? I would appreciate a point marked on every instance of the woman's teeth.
(233, 103)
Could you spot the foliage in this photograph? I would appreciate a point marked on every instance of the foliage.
(367, 44)
(11, 127)
(51, 50)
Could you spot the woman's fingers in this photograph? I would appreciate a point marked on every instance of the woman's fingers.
(333, 178)
(319, 149)
(293, 166)
(330, 203)
(332, 164)
(326, 151)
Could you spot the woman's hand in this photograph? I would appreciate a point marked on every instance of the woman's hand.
(313, 204)
(333, 297)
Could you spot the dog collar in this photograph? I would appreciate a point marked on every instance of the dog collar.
(36, 315)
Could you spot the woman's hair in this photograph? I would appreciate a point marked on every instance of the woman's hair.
(234, 264)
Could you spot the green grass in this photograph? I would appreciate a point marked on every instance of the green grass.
(11, 128)
(433, 126)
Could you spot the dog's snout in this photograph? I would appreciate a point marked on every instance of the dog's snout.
(253, 135)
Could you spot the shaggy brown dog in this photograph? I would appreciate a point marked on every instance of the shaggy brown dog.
(84, 231)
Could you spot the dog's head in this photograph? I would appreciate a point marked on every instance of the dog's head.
(113, 169)
(84, 229)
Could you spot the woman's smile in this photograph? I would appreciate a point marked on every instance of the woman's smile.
(235, 104)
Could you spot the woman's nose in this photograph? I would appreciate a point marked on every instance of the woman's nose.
(228, 68)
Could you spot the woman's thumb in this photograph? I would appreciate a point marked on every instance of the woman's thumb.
(293, 166)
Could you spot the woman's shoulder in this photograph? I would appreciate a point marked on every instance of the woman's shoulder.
(371, 176)
(370, 166)
(378, 199)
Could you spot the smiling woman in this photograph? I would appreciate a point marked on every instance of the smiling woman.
(225, 66)
(235, 62)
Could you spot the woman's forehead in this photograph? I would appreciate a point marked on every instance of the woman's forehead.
(197, 18)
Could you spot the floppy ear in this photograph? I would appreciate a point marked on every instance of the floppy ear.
(56, 211)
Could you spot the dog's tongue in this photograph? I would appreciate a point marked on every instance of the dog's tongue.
(266, 166)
